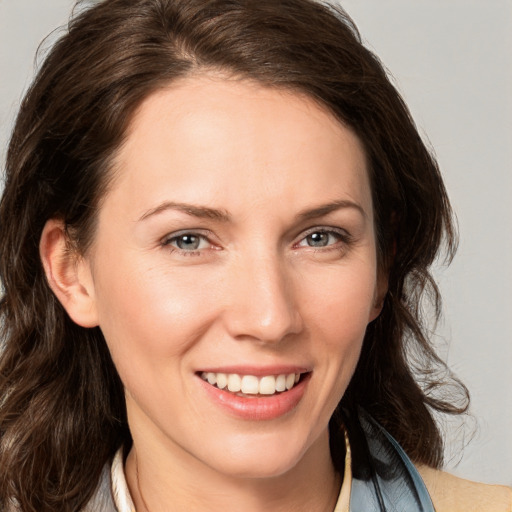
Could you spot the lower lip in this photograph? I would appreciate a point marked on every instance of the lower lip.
(258, 408)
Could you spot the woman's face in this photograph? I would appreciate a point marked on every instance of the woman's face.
(236, 247)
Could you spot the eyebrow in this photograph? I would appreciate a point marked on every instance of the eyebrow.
(189, 209)
(325, 209)
(223, 215)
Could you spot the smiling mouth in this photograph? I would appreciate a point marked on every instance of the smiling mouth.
(250, 385)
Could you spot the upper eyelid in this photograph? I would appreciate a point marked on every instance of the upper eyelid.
(202, 233)
(344, 238)
(208, 234)
(167, 243)
(324, 229)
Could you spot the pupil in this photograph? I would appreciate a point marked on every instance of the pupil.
(318, 239)
(188, 242)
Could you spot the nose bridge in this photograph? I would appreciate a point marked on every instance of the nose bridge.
(263, 304)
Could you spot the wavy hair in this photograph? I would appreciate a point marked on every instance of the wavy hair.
(62, 411)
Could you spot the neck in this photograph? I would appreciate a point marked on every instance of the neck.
(169, 484)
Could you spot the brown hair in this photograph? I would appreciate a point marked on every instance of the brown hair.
(62, 412)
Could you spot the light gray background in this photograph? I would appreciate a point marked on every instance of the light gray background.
(452, 60)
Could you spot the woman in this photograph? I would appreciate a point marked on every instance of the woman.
(225, 219)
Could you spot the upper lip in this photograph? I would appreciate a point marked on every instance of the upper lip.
(257, 371)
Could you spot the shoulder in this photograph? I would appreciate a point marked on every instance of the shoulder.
(452, 494)
(102, 499)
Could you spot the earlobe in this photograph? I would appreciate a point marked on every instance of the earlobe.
(383, 271)
(377, 308)
(380, 297)
(68, 274)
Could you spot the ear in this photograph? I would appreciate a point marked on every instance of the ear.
(383, 271)
(68, 274)
(381, 290)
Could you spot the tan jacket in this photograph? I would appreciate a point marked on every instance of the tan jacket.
(448, 493)
(452, 494)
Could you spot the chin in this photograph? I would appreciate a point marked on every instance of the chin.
(259, 468)
(260, 458)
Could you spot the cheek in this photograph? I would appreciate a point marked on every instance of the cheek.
(337, 319)
(151, 315)
(341, 303)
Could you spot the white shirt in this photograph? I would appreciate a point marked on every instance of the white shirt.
(113, 495)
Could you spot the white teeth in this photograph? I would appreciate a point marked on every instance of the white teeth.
(290, 381)
(222, 380)
(268, 385)
(250, 384)
(281, 383)
(234, 383)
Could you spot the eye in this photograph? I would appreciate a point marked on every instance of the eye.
(319, 238)
(188, 242)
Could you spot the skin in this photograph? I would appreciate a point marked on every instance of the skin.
(256, 291)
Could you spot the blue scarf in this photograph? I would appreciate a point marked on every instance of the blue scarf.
(383, 478)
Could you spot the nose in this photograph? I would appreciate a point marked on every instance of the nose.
(263, 304)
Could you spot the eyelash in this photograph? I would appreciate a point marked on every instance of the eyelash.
(342, 236)
(343, 239)
(167, 242)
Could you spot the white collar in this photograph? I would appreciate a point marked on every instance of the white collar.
(123, 501)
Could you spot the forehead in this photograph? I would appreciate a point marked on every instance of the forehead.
(216, 140)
